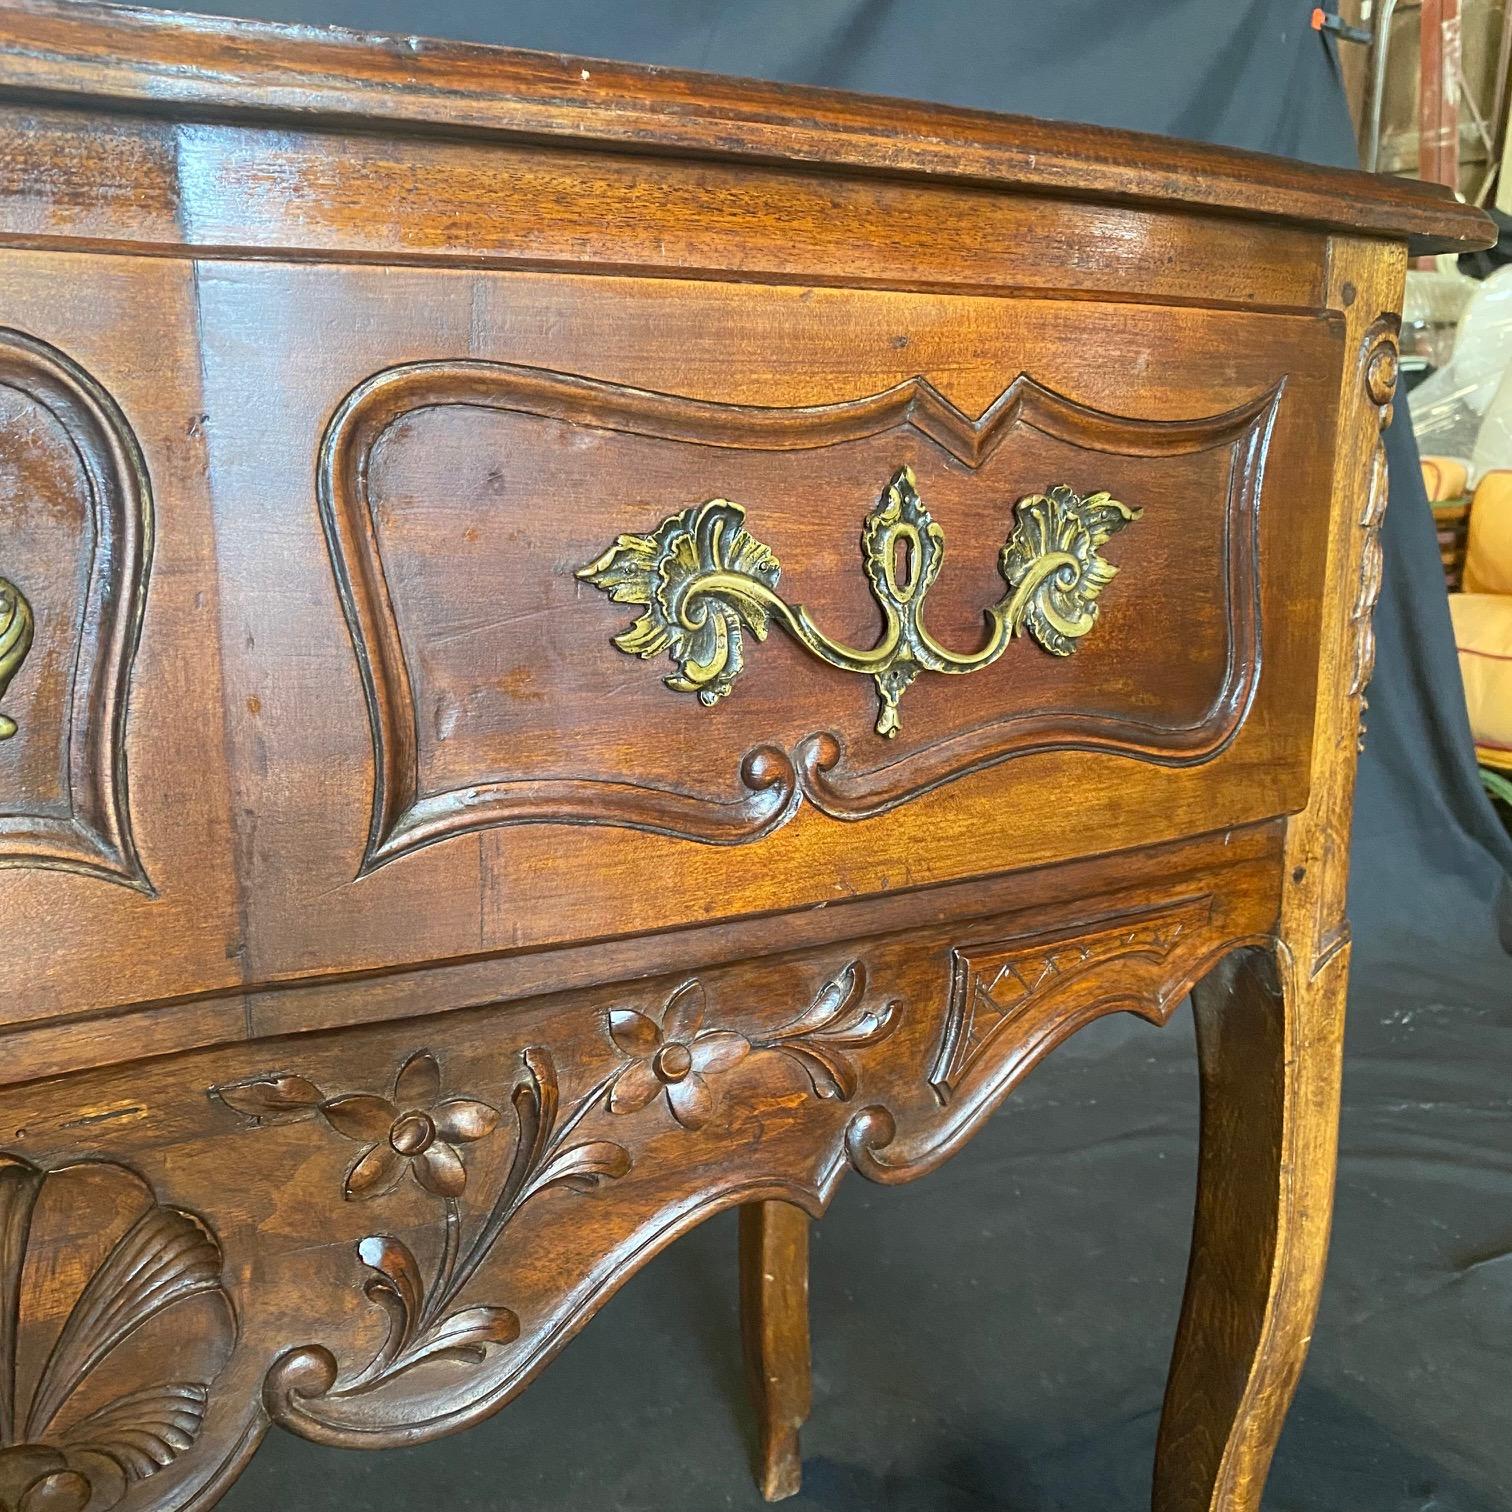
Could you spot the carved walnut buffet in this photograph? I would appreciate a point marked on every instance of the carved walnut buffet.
(502, 755)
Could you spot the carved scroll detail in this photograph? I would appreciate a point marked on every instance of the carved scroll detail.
(701, 576)
(16, 627)
(414, 1131)
(94, 835)
(772, 780)
(1378, 362)
(97, 1417)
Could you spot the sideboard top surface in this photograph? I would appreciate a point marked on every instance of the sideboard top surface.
(66, 51)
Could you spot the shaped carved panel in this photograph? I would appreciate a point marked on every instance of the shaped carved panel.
(114, 1326)
(461, 498)
(1036, 990)
(75, 548)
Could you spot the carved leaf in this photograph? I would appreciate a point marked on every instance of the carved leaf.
(583, 1167)
(833, 999)
(832, 1074)
(267, 1099)
(837, 1020)
(463, 1336)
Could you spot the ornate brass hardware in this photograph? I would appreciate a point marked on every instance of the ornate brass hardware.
(15, 642)
(702, 578)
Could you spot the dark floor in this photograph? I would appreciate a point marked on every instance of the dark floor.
(995, 1336)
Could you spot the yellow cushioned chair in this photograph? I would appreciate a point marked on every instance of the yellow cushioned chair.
(1483, 620)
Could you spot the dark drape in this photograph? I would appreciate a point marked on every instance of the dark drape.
(994, 1339)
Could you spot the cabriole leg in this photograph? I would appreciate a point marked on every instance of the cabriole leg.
(1269, 1050)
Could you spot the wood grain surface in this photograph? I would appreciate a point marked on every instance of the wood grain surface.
(393, 961)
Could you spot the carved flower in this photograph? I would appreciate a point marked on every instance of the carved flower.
(665, 572)
(673, 1056)
(116, 1324)
(1051, 562)
(410, 1130)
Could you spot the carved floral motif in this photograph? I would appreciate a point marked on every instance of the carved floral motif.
(92, 1269)
(676, 1055)
(668, 1055)
(414, 1131)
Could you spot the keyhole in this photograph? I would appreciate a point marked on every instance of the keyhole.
(903, 563)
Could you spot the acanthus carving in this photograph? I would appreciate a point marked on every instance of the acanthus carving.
(773, 780)
(95, 639)
(1378, 360)
(114, 1326)
(413, 1129)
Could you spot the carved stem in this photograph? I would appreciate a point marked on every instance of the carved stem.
(537, 1144)
(443, 1290)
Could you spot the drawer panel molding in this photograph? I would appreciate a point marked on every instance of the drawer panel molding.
(397, 650)
(75, 552)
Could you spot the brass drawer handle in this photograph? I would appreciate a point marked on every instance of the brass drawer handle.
(702, 576)
(15, 642)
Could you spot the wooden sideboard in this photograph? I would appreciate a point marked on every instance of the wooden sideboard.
(502, 751)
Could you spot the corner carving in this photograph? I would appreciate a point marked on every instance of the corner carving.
(92, 1268)
(772, 780)
(1013, 999)
(1016, 989)
(79, 619)
(1378, 367)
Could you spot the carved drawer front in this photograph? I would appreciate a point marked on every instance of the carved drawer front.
(845, 602)
(647, 601)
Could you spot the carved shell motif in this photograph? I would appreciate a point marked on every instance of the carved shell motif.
(113, 1325)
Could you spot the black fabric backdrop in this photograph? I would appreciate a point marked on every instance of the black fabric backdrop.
(995, 1338)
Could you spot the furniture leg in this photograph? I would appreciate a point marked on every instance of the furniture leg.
(1269, 1051)
(774, 1328)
